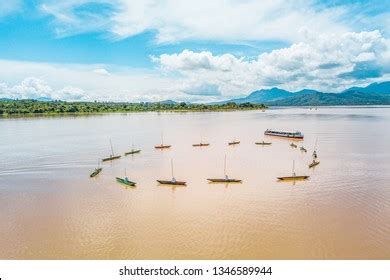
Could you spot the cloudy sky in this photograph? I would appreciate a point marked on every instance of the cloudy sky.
(152, 50)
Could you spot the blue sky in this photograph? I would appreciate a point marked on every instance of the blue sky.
(197, 51)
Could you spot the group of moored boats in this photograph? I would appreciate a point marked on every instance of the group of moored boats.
(225, 179)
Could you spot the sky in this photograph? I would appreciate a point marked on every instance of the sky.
(194, 51)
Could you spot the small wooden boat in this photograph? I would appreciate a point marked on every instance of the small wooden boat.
(293, 177)
(200, 144)
(234, 142)
(112, 156)
(293, 145)
(162, 146)
(132, 151)
(125, 181)
(173, 182)
(226, 179)
(263, 143)
(303, 149)
(97, 170)
(314, 163)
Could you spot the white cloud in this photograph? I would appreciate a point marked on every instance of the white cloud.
(326, 62)
(80, 82)
(218, 20)
(101, 71)
(33, 88)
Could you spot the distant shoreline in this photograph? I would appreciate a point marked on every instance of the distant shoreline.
(25, 108)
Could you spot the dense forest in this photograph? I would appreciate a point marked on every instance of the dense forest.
(13, 107)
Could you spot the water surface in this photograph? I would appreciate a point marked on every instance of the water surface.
(51, 209)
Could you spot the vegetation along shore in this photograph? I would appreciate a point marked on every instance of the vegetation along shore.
(18, 107)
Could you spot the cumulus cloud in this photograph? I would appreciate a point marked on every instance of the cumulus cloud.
(34, 88)
(101, 71)
(326, 62)
(218, 20)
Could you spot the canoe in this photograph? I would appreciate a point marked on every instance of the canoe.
(111, 158)
(96, 172)
(125, 181)
(314, 163)
(293, 145)
(303, 149)
(132, 152)
(200, 145)
(171, 182)
(162, 146)
(293, 178)
(263, 143)
(234, 143)
(225, 180)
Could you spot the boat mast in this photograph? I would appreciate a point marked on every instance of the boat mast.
(172, 168)
(224, 167)
(112, 150)
(293, 170)
(315, 150)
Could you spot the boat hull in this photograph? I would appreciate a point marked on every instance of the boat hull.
(111, 158)
(293, 178)
(225, 180)
(173, 183)
(162, 147)
(96, 172)
(125, 182)
(201, 145)
(313, 164)
(132, 152)
(234, 143)
(263, 143)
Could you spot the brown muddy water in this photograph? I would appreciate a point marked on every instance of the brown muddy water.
(51, 209)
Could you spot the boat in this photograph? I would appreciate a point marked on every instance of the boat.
(315, 162)
(234, 142)
(112, 156)
(200, 144)
(125, 181)
(293, 145)
(263, 143)
(286, 134)
(132, 151)
(226, 179)
(303, 149)
(162, 145)
(96, 171)
(173, 181)
(293, 177)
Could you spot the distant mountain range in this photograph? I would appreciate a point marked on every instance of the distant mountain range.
(373, 94)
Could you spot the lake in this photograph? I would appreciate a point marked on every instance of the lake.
(51, 209)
